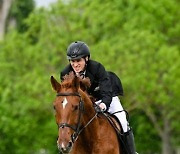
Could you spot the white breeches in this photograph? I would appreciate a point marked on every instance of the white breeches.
(116, 106)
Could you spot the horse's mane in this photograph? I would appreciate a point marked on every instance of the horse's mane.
(71, 80)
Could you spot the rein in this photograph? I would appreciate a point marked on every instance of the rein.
(76, 128)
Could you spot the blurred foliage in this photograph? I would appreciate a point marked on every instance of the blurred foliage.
(19, 11)
(138, 40)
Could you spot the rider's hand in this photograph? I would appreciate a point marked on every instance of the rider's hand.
(103, 106)
(100, 107)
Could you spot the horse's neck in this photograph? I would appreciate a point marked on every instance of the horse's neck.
(92, 124)
(87, 138)
(90, 130)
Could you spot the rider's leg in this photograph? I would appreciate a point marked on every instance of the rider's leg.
(116, 106)
(127, 137)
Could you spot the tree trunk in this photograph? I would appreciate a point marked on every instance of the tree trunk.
(4, 11)
(166, 138)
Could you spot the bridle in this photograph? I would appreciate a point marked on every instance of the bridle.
(77, 128)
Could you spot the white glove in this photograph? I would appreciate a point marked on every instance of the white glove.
(101, 105)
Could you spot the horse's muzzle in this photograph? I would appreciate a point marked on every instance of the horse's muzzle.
(65, 149)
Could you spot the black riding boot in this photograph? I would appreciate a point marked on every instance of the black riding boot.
(128, 141)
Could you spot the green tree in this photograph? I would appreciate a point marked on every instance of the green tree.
(13, 13)
(19, 11)
(27, 122)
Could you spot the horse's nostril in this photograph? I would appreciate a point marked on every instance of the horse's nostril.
(69, 145)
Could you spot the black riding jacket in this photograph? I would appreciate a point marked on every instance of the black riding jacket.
(104, 85)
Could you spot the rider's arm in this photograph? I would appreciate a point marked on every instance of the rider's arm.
(104, 85)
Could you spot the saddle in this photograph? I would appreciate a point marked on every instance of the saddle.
(114, 121)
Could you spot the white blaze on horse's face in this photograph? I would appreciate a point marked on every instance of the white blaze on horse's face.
(64, 102)
(62, 145)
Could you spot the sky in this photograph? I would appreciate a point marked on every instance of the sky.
(43, 3)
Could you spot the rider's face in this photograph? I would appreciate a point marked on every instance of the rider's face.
(78, 65)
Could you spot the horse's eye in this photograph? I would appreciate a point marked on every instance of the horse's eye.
(54, 107)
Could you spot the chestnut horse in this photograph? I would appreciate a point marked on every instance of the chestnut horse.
(81, 129)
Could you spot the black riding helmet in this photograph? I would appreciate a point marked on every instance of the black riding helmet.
(77, 50)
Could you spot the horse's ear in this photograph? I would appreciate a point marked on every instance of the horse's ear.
(55, 84)
(76, 82)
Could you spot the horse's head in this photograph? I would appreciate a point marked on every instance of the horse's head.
(69, 106)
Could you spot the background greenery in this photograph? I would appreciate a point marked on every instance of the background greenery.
(138, 40)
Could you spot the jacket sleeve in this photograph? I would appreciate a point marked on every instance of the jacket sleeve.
(104, 85)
